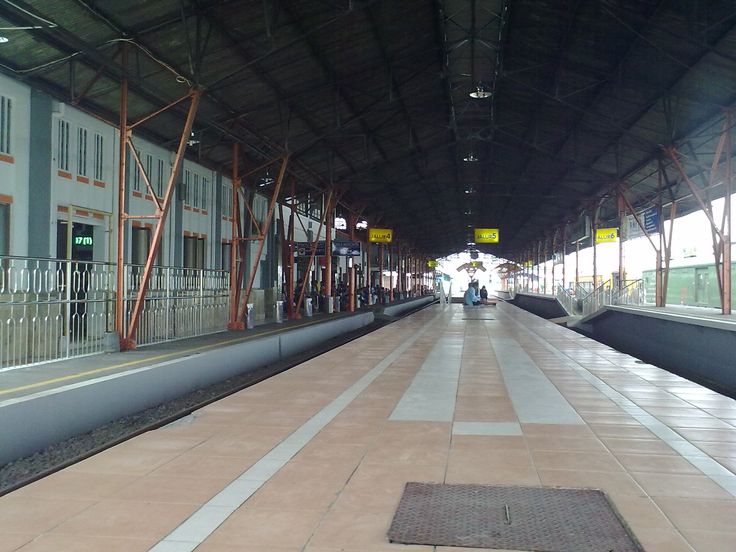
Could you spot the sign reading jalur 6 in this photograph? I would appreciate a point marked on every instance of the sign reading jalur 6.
(380, 235)
(606, 235)
(486, 235)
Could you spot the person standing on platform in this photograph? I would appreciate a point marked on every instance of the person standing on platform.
(483, 293)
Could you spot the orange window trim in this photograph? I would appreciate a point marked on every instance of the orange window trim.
(64, 174)
(6, 199)
(82, 179)
(7, 158)
(99, 183)
(137, 194)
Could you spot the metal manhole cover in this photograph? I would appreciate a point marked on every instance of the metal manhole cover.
(515, 518)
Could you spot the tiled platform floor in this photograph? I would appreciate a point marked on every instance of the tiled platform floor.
(323, 451)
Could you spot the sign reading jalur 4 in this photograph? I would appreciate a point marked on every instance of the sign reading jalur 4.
(380, 235)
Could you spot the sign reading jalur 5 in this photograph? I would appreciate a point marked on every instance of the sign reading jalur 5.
(486, 235)
(606, 235)
(380, 235)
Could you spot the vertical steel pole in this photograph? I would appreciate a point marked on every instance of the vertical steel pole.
(593, 232)
(577, 265)
(380, 273)
(564, 257)
(726, 240)
(390, 273)
(622, 221)
(122, 149)
(544, 257)
(292, 268)
(233, 322)
(327, 286)
(351, 285)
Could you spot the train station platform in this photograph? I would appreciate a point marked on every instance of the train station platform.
(316, 458)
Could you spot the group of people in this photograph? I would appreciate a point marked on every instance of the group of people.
(474, 296)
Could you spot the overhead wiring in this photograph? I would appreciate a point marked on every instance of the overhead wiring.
(49, 24)
(179, 77)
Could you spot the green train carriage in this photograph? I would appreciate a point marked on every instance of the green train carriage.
(694, 286)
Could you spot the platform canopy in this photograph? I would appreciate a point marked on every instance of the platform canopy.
(432, 117)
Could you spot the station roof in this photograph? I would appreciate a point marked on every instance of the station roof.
(380, 98)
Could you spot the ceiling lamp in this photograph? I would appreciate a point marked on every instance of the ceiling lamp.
(193, 140)
(480, 92)
(267, 180)
(469, 190)
(4, 39)
(471, 243)
(470, 158)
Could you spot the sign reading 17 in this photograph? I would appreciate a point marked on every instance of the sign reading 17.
(83, 240)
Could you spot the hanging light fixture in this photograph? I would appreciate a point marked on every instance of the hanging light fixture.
(4, 39)
(480, 92)
(266, 180)
(470, 158)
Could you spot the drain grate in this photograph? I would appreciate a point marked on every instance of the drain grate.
(516, 518)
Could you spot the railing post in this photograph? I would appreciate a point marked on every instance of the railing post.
(201, 297)
(168, 302)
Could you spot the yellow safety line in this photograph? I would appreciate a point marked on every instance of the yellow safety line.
(148, 360)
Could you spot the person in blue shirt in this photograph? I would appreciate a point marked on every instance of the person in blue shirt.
(471, 299)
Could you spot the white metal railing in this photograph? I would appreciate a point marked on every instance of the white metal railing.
(567, 300)
(180, 302)
(632, 293)
(53, 309)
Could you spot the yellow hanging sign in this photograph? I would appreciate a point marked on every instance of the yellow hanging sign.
(606, 235)
(380, 235)
(486, 235)
(432, 264)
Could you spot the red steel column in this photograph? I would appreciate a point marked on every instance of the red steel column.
(327, 286)
(390, 273)
(233, 323)
(122, 150)
(380, 272)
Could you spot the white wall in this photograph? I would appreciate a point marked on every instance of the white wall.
(14, 167)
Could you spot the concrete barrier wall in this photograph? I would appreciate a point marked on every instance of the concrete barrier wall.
(31, 423)
(702, 352)
(406, 306)
(545, 306)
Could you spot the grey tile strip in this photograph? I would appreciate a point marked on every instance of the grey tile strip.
(701, 460)
(486, 428)
(202, 523)
(535, 398)
(431, 395)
